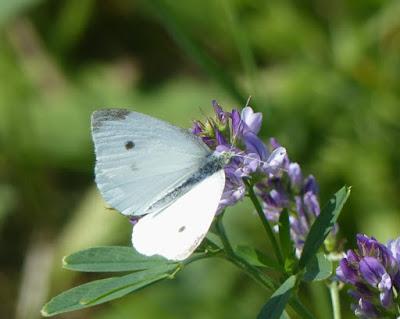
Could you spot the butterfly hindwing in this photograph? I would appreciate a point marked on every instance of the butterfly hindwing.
(176, 231)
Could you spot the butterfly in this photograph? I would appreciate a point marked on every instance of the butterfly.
(161, 174)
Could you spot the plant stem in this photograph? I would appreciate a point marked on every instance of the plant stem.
(333, 289)
(266, 224)
(256, 274)
(222, 235)
(252, 271)
(298, 307)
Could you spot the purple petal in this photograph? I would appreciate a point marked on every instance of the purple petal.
(372, 270)
(346, 273)
(295, 176)
(274, 143)
(365, 309)
(366, 246)
(277, 158)
(396, 280)
(352, 257)
(237, 124)
(197, 127)
(394, 247)
(311, 204)
(221, 115)
(255, 145)
(220, 138)
(299, 206)
(386, 295)
(251, 120)
(386, 298)
(311, 185)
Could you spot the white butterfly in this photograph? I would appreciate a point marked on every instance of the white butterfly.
(147, 167)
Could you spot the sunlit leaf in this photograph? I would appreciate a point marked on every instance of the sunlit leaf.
(275, 306)
(111, 258)
(318, 268)
(100, 291)
(323, 225)
(255, 257)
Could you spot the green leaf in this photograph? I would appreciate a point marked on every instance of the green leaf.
(100, 291)
(323, 225)
(275, 306)
(256, 258)
(284, 235)
(319, 268)
(111, 258)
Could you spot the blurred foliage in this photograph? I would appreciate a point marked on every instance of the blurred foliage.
(325, 74)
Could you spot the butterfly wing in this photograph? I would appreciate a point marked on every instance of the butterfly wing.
(175, 232)
(139, 159)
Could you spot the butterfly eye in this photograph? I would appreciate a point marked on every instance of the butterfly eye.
(129, 145)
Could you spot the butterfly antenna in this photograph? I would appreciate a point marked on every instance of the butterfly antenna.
(248, 101)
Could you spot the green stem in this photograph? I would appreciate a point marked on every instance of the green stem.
(252, 271)
(256, 274)
(299, 308)
(333, 289)
(222, 235)
(266, 224)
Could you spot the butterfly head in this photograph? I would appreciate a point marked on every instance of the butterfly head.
(224, 157)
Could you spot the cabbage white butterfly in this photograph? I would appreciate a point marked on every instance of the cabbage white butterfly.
(147, 167)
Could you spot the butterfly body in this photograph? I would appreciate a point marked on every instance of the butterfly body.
(213, 163)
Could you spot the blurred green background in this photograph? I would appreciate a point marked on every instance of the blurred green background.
(325, 74)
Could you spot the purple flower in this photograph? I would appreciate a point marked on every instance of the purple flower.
(236, 132)
(278, 182)
(373, 272)
(300, 196)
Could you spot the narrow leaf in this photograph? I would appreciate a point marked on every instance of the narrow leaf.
(323, 225)
(255, 257)
(111, 259)
(319, 268)
(275, 306)
(100, 291)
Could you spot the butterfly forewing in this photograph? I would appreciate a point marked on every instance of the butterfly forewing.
(139, 159)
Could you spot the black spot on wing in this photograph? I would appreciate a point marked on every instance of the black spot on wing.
(129, 145)
(104, 115)
(181, 229)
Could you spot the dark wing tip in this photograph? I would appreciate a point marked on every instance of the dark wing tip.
(103, 115)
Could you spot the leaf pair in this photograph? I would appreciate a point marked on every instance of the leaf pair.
(148, 270)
